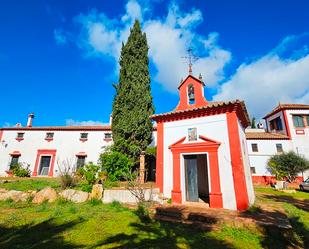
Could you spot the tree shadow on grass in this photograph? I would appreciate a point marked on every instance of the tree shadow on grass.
(162, 234)
(298, 227)
(301, 204)
(45, 235)
(278, 230)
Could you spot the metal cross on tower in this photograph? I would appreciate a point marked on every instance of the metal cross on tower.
(191, 59)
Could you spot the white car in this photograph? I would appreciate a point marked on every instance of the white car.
(304, 185)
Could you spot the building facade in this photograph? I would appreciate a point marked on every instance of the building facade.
(287, 129)
(201, 150)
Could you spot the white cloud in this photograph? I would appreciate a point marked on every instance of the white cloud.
(134, 11)
(168, 39)
(60, 37)
(72, 122)
(268, 80)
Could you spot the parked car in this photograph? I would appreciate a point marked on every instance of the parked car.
(304, 185)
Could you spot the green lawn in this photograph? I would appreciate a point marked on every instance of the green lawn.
(95, 225)
(24, 184)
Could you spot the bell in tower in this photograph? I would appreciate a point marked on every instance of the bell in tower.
(191, 93)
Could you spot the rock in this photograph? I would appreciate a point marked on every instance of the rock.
(48, 194)
(3, 190)
(97, 192)
(76, 196)
(3, 194)
(67, 193)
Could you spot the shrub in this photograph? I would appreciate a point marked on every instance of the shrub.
(67, 173)
(21, 171)
(287, 165)
(115, 164)
(143, 213)
(90, 174)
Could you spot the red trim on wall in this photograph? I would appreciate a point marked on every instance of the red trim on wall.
(240, 186)
(1, 135)
(286, 122)
(198, 94)
(206, 146)
(81, 154)
(15, 153)
(300, 132)
(159, 161)
(51, 153)
(266, 180)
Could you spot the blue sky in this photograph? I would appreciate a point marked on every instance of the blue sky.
(59, 59)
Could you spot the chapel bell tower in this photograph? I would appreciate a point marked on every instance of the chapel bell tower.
(191, 93)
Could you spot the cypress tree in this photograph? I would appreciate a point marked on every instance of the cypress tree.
(132, 105)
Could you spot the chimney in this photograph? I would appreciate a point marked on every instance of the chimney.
(30, 119)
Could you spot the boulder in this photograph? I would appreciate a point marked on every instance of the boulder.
(97, 192)
(76, 196)
(3, 190)
(48, 194)
(3, 194)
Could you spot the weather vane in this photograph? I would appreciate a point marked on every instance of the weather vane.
(191, 59)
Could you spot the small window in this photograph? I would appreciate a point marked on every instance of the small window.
(108, 135)
(276, 124)
(298, 121)
(49, 135)
(84, 135)
(20, 135)
(307, 119)
(254, 147)
(279, 148)
(14, 161)
(252, 170)
(80, 161)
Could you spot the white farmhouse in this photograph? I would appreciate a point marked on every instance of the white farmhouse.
(287, 129)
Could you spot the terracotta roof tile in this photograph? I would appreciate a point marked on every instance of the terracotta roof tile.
(287, 107)
(210, 105)
(265, 136)
(61, 128)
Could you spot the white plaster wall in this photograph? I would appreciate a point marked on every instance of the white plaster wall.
(213, 127)
(300, 142)
(66, 143)
(266, 149)
(246, 163)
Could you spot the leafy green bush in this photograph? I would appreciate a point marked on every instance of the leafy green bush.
(21, 171)
(287, 165)
(115, 164)
(90, 175)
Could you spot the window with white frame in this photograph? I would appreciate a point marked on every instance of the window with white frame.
(80, 162)
(252, 170)
(20, 135)
(84, 135)
(49, 135)
(254, 148)
(298, 121)
(108, 136)
(14, 161)
(279, 148)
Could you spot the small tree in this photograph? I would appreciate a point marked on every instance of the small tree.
(287, 165)
(253, 123)
(115, 164)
